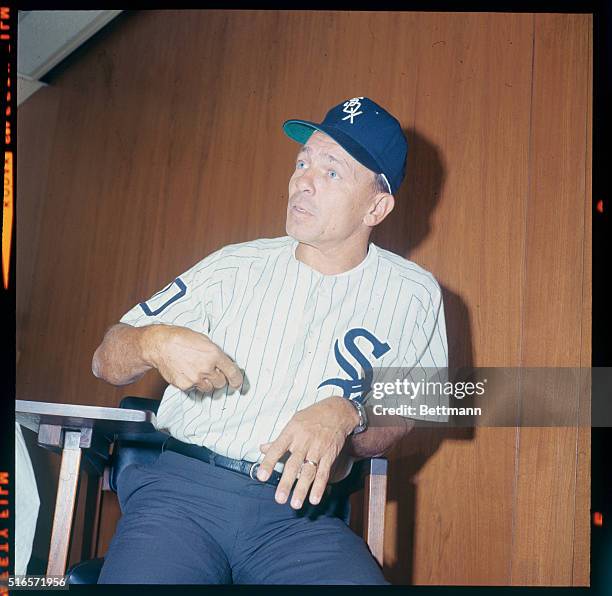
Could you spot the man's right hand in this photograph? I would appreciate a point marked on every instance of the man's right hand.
(188, 359)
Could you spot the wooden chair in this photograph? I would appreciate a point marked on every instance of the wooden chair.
(142, 448)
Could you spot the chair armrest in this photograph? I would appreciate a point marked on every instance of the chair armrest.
(375, 466)
(375, 500)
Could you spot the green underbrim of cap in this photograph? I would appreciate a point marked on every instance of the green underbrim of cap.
(300, 130)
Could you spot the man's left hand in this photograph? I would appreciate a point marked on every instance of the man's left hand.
(315, 434)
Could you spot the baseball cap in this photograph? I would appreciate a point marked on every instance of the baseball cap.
(366, 131)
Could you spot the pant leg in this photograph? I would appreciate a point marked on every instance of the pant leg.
(308, 546)
(158, 540)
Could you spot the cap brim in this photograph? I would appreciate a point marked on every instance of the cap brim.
(301, 130)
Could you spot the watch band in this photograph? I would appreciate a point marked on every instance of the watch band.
(363, 418)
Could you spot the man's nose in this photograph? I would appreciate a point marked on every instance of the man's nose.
(305, 182)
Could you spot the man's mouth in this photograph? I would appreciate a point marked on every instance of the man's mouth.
(301, 210)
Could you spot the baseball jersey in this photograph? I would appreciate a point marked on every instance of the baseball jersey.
(298, 335)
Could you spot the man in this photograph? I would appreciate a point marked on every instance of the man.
(258, 342)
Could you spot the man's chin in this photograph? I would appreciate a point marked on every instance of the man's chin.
(298, 233)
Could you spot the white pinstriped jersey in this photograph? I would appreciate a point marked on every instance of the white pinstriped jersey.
(291, 329)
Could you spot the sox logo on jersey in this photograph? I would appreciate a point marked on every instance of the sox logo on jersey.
(356, 384)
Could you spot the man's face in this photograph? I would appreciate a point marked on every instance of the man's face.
(329, 193)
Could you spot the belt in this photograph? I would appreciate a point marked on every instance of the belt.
(242, 466)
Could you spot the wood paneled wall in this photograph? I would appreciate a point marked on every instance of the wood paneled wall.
(161, 141)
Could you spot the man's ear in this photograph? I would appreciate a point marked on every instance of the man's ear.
(380, 207)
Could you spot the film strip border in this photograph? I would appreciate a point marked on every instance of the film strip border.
(8, 111)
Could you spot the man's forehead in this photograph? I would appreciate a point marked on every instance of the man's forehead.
(320, 142)
(318, 139)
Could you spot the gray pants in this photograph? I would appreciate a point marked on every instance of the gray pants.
(188, 522)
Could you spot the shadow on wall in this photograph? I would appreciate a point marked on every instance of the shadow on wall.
(408, 225)
(409, 222)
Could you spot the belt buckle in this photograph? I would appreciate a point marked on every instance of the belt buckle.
(253, 470)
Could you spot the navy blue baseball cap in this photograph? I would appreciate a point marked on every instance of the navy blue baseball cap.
(366, 131)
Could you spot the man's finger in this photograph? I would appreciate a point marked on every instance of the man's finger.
(290, 472)
(276, 450)
(217, 378)
(230, 369)
(185, 384)
(306, 475)
(204, 386)
(320, 482)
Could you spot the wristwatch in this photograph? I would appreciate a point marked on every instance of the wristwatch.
(363, 418)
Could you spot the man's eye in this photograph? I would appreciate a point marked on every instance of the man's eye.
(333, 174)
(300, 164)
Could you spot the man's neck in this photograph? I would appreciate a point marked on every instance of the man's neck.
(332, 260)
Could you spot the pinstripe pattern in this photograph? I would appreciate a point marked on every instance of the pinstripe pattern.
(279, 320)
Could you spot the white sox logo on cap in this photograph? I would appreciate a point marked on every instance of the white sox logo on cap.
(351, 107)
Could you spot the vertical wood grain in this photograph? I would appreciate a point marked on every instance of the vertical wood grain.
(554, 305)
(582, 507)
(473, 101)
(162, 141)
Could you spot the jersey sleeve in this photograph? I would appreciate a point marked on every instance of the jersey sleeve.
(431, 363)
(182, 302)
(423, 372)
(430, 338)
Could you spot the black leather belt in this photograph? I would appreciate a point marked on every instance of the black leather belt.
(248, 468)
